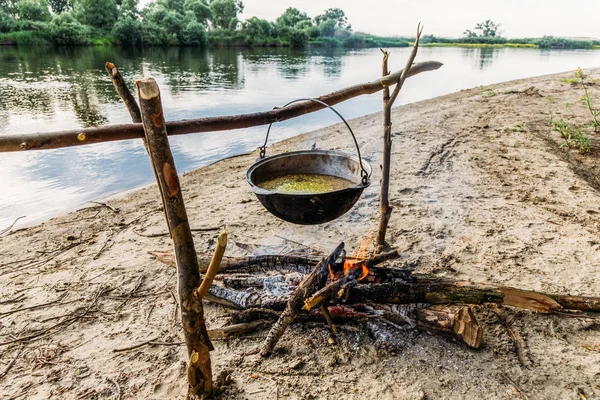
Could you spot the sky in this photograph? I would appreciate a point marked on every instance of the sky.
(518, 18)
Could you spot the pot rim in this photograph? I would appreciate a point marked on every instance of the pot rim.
(258, 190)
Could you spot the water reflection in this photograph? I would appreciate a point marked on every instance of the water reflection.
(483, 57)
(66, 88)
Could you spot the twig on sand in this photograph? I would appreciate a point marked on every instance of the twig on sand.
(132, 292)
(11, 363)
(113, 209)
(164, 234)
(135, 346)
(6, 230)
(151, 342)
(62, 324)
(3, 314)
(176, 306)
(514, 384)
(116, 386)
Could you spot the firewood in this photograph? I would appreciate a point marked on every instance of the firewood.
(313, 282)
(331, 289)
(456, 322)
(237, 329)
(213, 267)
(424, 289)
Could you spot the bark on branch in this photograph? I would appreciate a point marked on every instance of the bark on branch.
(192, 313)
(54, 140)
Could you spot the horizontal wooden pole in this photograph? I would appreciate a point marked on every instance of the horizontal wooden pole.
(109, 133)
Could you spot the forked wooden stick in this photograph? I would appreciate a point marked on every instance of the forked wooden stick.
(192, 313)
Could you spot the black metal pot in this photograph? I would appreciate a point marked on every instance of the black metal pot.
(311, 208)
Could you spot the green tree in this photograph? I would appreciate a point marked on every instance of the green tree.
(334, 14)
(128, 30)
(66, 30)
(101, 14)
(486, 28)
(298, 38)
(59, 6)
(327, 28)
(192, 34)
(224, 11)
(256, 29)
(291, 17)
(5, 22)
(200, 9)
(175, 5)
(129, 8)
(9, 7)
(34, 10)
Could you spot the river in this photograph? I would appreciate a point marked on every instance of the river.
(48, 89)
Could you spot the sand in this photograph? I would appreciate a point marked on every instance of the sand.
(482, 190)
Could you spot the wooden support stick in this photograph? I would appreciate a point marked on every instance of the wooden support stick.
(214, 264)
(192, 313)
(456, 322)
(313, 282)
(388, 102)
(77, 137)
(124, 93)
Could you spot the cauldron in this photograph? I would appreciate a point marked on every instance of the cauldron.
(310, 208)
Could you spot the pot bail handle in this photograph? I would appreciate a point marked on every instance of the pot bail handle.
(363, 173)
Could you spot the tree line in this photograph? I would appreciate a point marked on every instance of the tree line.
(173, 23)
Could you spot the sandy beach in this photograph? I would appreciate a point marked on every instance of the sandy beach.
(482, 190)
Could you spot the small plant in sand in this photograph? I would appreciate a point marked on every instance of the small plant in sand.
(573, 136)
(517, 128)
(585, 81)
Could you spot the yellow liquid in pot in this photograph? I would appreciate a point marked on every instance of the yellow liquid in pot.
(305, 183)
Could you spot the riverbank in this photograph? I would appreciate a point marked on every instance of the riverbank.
(482, 190)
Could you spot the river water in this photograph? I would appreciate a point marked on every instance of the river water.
(48, 89)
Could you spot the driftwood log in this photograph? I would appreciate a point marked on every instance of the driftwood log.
(192, 313)
(108, 133)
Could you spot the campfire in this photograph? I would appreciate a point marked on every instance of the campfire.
(273, 291)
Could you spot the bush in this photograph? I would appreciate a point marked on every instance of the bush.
(193, 34)
(25, 38)
(34, 10)
(101, 14)
(128, 31)
(66, 30)
(26, 25)
(156, 35)
(5, 22)
(551, 42)
(298, 38)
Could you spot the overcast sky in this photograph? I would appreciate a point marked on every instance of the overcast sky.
(519, 18)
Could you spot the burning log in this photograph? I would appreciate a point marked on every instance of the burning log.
(313, 282)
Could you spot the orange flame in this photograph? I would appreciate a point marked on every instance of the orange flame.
(358, 260)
